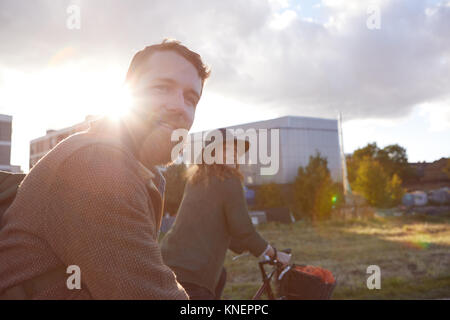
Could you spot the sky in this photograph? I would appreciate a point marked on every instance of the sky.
(385, 65)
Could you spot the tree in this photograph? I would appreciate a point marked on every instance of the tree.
(392, 158)
(175, 176)
(371, 182)
(369, 151)
(446, 169)
(395, 190)
(269, 196)
(353, 161)
(313, 190)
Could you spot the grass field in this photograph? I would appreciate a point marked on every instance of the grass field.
(412, 252)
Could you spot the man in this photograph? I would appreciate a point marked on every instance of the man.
(95, 201)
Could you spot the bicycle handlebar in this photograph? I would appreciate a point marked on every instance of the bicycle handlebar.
(274, 261)
(270, 261)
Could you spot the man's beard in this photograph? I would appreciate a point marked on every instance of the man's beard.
(156, 147)
(153, 137)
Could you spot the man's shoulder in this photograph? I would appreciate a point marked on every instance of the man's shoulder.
(85, 144)
(94, 152)
(100, 168)
(84, 153)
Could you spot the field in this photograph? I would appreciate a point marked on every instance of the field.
(413, 253)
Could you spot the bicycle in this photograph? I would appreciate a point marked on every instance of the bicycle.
(300, 285)
(266, 287)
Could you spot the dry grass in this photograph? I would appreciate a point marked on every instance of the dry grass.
(413, 254)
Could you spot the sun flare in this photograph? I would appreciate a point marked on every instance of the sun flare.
(120, 104)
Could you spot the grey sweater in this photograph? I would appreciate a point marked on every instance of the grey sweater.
(209, 217)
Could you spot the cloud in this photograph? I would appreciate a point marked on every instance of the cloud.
(282, 20)
(263, 53)
(437, 115)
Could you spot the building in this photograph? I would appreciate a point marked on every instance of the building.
(299, 138)
(5, 144)
(429, 175)
(40, 146)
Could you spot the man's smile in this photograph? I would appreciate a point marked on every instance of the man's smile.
(166, 125)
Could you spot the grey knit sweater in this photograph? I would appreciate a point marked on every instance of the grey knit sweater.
(210, 215)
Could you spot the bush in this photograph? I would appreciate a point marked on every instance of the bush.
(269, 196)
(371, 182)
(395, 190)
(313, 190)
(374, 184)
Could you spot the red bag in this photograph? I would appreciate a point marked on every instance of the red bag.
(324, 274)
(300, 282)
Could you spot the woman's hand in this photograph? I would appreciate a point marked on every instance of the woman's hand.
(282, 257)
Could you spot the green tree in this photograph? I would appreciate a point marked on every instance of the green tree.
(269, 196)
(175, 176)
(354, 160)
(369, 151)
(371, 182)
(392, 158)
(313, 190)
(395, 190)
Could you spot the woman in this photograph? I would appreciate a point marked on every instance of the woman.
(213, 213)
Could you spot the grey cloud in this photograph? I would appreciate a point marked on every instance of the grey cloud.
(304, 69)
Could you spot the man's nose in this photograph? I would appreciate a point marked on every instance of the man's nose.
(176, 103)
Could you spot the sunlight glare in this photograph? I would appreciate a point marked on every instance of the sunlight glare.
(120, 104)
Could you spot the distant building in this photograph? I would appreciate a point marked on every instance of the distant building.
(5, 144)
(39, 147)
(429, 175)
(299, 138)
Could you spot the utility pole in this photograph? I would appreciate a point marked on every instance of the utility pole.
(346, 184)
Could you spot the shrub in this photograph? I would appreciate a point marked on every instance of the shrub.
(269, 196)
(395, 190)
(371, 182)
(313, 190)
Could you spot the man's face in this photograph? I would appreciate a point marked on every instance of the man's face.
(166, 96)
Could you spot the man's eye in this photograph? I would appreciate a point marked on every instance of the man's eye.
(161, 88)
